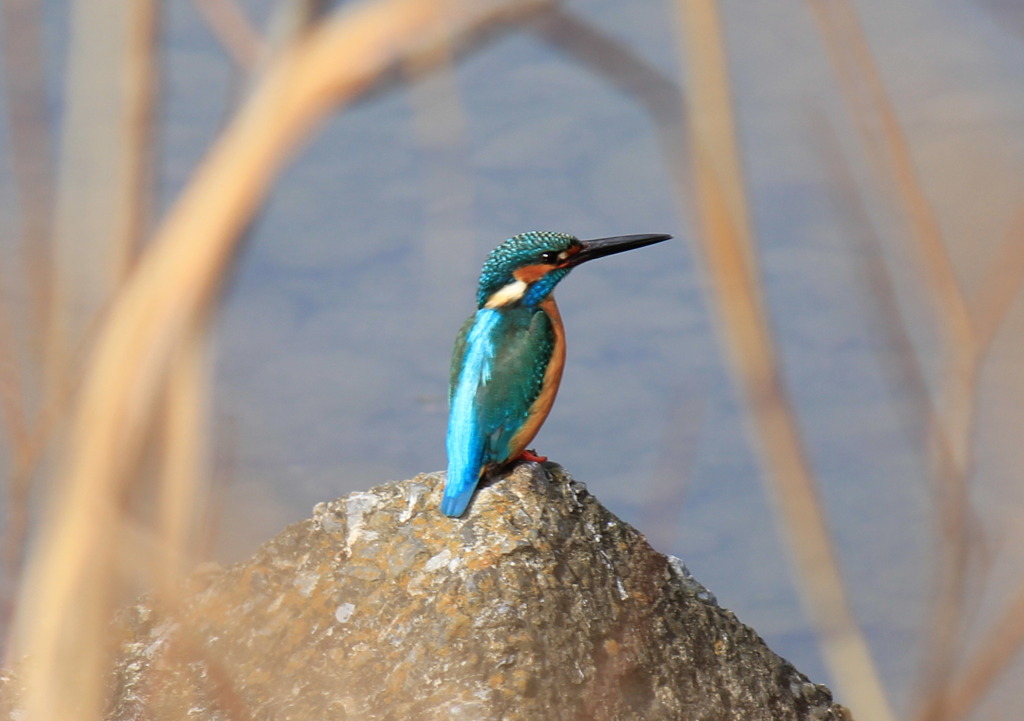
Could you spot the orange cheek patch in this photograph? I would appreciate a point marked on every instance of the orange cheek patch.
(531, 273)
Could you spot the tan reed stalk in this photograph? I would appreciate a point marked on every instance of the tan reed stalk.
(1003, 283)
(870, 105)
(229, 23)
(726, 244)
(31, 153)
(30, 159)
(950, 428)
(619, 66)
(104, 179)
(181, 502)
(909, 372)
(15, 418)
(1004, 639)
(64, 602)
(1000, 647)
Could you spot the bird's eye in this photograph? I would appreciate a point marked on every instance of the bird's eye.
(549, 256)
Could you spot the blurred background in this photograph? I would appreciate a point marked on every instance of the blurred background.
(822, 371)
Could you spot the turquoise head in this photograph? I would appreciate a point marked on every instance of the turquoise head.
(524, 269)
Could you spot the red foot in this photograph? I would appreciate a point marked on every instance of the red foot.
(529, 455)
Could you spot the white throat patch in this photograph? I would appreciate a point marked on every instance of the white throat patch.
(509, 294)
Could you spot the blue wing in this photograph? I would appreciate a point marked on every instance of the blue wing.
(497, 373)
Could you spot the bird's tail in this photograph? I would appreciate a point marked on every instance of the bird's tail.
(463, 476)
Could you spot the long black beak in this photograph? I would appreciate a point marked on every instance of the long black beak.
(600, 247)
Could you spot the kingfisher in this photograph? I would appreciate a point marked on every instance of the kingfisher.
(509, 355)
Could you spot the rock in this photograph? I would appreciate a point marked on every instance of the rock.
(538, 604)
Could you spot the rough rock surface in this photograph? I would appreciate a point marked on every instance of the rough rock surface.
(538, 604)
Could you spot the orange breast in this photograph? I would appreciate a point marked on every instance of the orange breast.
(552, 377)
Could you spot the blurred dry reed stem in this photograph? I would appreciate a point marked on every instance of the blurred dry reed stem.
(965, 686)
(104, 179)
(909, 375)
(31, 151)
(726, 243)
(967, 334)
(100, 211)
(148, 345)
(616, 64)
(903, 365)
(947, 691)
(31, 161)
(1000, 647)
(626, 71)
(903, 362)
(180, 488)
(1004, 281)
(233, 31)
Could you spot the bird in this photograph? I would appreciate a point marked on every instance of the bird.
(508, 357)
